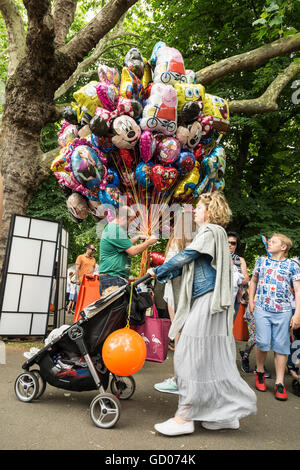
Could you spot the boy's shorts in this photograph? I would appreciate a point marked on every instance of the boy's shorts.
(272, 331)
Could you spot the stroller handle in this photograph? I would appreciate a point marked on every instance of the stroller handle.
(147, 277)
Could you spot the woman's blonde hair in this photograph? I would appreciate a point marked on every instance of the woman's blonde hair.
(219, 212)
(182, 234)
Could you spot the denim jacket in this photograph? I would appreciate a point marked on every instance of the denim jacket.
(204, 274)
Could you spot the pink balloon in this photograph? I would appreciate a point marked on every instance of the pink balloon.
(148, 144)
(168, 149)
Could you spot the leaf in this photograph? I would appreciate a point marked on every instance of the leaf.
(259, 21)
(276, 20)
(272, 7)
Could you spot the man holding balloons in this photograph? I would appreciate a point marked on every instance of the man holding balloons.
(116, 248)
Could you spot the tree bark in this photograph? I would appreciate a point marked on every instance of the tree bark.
(251, 59)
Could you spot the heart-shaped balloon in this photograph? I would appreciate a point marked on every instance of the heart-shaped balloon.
(163, 177)
(185, 162)
(148, 145)
(168, 149)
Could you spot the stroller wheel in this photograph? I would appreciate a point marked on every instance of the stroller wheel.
(42, 383)
(123, 387)
(26, 386)
(105, 410)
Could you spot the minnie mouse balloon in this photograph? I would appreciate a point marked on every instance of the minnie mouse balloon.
(168, 150)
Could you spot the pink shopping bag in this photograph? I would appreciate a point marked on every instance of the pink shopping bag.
(155, 333)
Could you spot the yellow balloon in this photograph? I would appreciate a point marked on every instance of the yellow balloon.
(218, 108)
(131, 86)
(147, 77)
(186, 186)
(59, 162)
(86, 97)
(189, 92)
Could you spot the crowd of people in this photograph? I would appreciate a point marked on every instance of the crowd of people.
(205, 278)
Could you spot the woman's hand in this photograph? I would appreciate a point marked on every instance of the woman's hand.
(151, 272)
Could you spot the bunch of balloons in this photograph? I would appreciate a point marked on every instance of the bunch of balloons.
(151, 134)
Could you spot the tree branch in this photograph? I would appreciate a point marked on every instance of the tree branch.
(87, 38)
(250, 59)
(63, 15)
(267, 102)
(15, 33)
(100, 49)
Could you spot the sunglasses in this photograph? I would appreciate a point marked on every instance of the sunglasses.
(232, 243)
(93, 249)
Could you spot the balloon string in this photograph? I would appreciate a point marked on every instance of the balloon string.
(129, 306)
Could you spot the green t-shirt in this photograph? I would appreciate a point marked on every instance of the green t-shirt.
(113, 258)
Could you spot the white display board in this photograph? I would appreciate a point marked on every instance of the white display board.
(34, 277)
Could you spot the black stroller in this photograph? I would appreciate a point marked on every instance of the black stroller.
(73, 360)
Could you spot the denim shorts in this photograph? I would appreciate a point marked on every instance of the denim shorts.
(272, 331)
(107, 281)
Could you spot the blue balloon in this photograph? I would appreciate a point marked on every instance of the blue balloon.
(113, 177)
(143, 174)
(87, 167)
(109, 196)
(185, 162)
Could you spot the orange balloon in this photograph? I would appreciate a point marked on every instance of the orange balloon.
(124, 352)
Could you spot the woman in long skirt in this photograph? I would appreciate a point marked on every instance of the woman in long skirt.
(210, 387)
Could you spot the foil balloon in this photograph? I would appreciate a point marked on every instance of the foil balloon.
(189, 92)
(87, 167)
(153, 58)
(59, 162)
(214, 168)
(108, 95)
(127, 157)
(108, 74)
(67, 134)
(219, 109)
(143, 174)
(156, 259)
(113, 177)
(134, 62)
(147, 77)
(168, 150)
(87, 100)
(77, 206)
(189, 136)
(185, 162)
(131, 86)
(109, 196)
(148, 145)
(169, 67)
(163, 177)
(126, 132)
(66, 179)
(160, 113)
(186, 186)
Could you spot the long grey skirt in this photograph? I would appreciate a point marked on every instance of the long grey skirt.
(210, 386)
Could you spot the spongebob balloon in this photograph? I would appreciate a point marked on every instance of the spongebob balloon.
(219, 109)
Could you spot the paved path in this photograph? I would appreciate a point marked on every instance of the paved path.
(60, 420)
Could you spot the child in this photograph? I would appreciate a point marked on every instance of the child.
(272, 281)
(72, 293)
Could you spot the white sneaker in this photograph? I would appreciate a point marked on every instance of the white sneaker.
(171, 428)
(215, 425)
(167, 386)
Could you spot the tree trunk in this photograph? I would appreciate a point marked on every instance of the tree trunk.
(20, 153)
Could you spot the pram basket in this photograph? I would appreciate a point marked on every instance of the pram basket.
(72, 361)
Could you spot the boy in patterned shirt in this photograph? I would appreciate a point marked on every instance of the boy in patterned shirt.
(273, 281)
